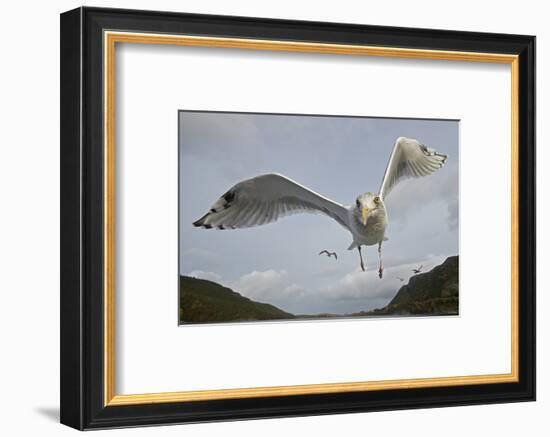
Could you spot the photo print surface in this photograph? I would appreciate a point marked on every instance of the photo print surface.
(295, 217)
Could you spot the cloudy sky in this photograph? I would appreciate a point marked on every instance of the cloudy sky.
(339, 157)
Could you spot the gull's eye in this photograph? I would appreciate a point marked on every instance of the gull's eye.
(377, 199)
(357, 203)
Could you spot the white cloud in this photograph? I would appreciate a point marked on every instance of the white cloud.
(332, 270)
(209, 276)
(367, 286)
(268, 286)
(359, 285)
(354, 291)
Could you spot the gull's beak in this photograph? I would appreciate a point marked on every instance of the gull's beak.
(365, 215)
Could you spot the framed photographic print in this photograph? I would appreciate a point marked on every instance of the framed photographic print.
(270, 218)
(302, 269)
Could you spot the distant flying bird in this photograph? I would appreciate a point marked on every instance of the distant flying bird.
(266, 198)
(329, 254)
(401, 279)
(418, 270)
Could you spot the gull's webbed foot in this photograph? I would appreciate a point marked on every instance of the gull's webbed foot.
(380, 272)
(362, 266)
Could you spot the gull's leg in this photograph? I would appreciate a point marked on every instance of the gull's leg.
(361, 258)
(380, 268)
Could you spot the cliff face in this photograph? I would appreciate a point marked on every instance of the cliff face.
(434, 293)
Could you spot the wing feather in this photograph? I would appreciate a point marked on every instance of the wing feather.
(265, 199)
(409, 159)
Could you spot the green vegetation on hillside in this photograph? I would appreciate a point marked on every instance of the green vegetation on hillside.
(431, 293)
(203, 301)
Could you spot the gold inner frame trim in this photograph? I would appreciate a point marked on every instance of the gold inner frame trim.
(110, 40)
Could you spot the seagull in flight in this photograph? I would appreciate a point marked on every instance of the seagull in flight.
(329, 254)
(418, 270)
(401, 279)
(266, 198)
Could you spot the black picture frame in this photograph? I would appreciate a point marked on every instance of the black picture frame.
(82, 215)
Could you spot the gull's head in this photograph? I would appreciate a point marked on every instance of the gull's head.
(366, 205)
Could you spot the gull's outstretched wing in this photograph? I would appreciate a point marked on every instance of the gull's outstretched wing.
(265, 199)
(409, 159)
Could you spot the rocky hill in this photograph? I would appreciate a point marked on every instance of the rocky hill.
(203, 301)
(431, 293)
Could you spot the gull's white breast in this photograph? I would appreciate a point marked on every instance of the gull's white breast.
(373, 232)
